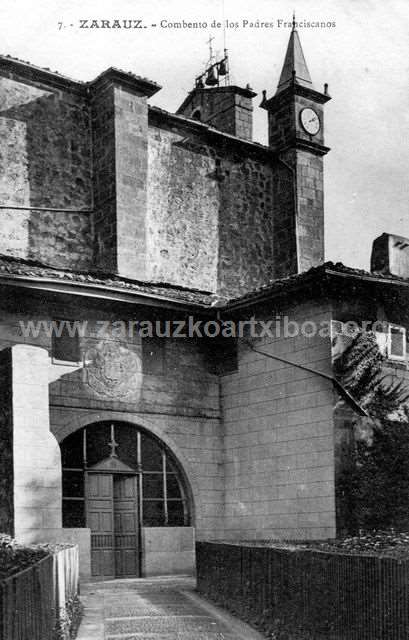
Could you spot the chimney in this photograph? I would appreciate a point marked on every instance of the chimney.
(228, 109)
(390, 255)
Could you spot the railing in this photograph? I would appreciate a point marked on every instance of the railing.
(33, 602)
(306, 594)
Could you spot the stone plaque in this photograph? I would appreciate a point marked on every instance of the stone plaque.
(113, 371)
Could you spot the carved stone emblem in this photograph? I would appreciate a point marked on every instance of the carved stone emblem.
(112, 371)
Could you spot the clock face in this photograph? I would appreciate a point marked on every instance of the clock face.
(310, 121)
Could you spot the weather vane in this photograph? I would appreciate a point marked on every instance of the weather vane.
(209, 42)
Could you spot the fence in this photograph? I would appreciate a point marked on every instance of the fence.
(33, 602)
(308, 595)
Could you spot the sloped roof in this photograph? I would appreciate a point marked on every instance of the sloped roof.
(97, 284)
(294, 61)
(94, 283)
(54, 78)
(323, 273)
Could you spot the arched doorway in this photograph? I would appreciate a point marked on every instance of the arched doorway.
(118, 478)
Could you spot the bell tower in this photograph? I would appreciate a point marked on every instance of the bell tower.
(296, 134)
(218, 103)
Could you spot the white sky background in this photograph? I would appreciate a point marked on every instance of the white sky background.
(364, 59)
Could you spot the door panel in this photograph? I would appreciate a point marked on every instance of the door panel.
(101, 522)
(112, 515)
(126, 536)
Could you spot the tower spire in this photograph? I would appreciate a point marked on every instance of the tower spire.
(294, 68)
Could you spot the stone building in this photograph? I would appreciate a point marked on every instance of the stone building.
(117, 217)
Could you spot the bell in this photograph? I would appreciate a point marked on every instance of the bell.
(200, 83)
(222, 68)
(211, 79)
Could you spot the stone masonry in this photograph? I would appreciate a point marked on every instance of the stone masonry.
(279, 437)
(228, 109)
(125, 188)
(33, 450)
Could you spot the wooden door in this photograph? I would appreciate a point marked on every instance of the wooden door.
(100, 520)
(126, 527)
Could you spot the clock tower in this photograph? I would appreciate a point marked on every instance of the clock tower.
(296, 134)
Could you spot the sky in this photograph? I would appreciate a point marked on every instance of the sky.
(364, 59)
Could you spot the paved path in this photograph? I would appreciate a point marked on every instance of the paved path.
(152, 609)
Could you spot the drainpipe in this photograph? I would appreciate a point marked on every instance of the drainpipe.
(345, 395)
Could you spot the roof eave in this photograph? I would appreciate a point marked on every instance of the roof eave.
(95, 290)
(321, 274)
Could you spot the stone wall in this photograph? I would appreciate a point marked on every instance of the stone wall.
(36, 454)
(183, 211)
(228, 109)
(103, 177)
(194, 214)
(310, 210)
(6, 445)
(168, 551)
(169, 203)
(131, 153)
(217, 220)
(279, 441)
(45, 162)
(31, 475)
(120, 142)
(300, 236)
(255, 221)
(178, 401)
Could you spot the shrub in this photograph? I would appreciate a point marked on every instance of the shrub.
(15, 557)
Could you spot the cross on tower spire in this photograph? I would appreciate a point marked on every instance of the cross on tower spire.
(112, 444)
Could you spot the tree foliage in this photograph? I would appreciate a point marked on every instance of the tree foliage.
(374, 483)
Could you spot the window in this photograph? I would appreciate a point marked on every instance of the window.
(73, 503)
(65, 346)
(396, 342)
(163, 501)
(162, 496)
(391, 341)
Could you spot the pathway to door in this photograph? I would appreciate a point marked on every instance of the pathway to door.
(155, 609)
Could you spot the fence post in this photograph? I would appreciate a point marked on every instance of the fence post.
(33, 601)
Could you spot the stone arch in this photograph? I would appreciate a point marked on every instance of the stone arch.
(152, 427)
